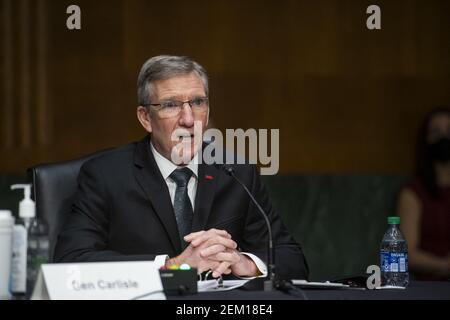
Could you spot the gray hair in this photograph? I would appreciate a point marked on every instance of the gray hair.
(165, 67)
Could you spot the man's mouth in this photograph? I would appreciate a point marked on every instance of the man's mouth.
(185, 137)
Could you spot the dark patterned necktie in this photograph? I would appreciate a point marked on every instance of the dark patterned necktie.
(181, 204)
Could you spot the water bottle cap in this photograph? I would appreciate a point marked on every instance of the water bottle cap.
(393, 220)
(5, 214)
(6, 218)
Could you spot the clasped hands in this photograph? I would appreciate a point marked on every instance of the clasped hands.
(215, 250)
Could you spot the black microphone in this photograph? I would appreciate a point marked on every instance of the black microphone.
(269, 284)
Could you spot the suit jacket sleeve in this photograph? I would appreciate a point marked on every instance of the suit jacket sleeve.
(290, 261)
(84, 236)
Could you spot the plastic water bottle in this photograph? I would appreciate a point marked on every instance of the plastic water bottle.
(394, 256)
(6, 232)
(37, 251)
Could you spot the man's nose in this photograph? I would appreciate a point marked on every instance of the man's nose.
(186, 115)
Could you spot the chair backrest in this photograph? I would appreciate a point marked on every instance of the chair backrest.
(54, 186)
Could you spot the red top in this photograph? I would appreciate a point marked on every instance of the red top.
(435, 222)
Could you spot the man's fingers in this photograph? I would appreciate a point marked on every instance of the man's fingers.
(214, 249)
(229, 257)
(224, 266)
(193, 235)
(227, 243)
(209, 265)
(216, 245)
(209, 234)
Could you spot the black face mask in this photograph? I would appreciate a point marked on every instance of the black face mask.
(440, 150)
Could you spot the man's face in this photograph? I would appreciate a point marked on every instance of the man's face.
(180, 88)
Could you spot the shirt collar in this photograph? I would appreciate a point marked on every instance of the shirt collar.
(167, 167)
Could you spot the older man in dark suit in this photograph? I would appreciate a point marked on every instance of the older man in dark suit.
(156, 200)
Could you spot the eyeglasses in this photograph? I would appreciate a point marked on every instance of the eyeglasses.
(172, 108)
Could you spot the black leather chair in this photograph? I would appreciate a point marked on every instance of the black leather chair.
(54, 186)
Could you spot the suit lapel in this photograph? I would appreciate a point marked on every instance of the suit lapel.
(150, 179)
(208, 176)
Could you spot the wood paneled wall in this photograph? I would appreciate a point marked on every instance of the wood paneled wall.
(345, 99)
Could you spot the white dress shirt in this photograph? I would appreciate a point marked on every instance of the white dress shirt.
(166, 167)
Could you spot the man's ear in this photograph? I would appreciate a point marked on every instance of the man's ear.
(144, 118)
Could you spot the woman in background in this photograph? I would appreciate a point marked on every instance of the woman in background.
(424, 203)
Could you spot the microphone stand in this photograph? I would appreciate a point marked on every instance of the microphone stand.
(270, 283)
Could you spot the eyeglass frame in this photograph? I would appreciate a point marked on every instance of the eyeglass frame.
(181, 103)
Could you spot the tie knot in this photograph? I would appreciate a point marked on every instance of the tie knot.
(181, 176)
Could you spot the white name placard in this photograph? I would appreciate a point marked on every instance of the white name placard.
(99, 281)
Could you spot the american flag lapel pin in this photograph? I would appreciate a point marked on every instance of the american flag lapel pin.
(208, 177)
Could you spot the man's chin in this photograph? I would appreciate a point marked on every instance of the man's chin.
(184, 155)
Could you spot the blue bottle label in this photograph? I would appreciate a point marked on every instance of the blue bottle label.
(394, 261)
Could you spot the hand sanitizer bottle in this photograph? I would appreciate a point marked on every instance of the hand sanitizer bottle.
(24, 243)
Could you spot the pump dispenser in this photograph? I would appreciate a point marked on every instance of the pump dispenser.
(27, 207)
